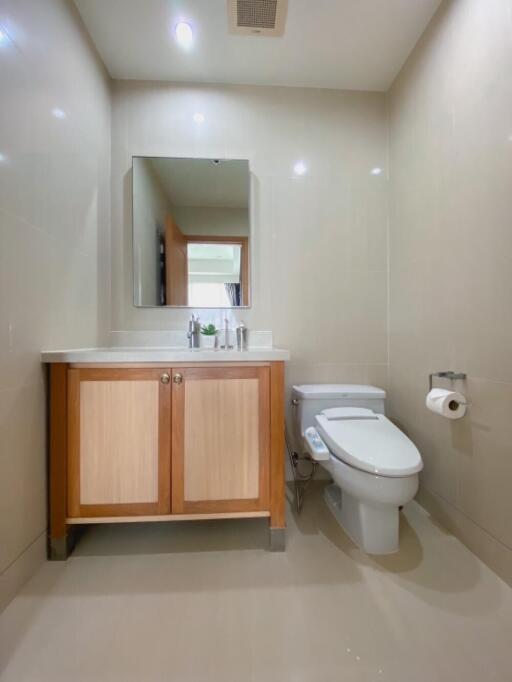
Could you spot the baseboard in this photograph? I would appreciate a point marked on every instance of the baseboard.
(491, 551)
(21, 570)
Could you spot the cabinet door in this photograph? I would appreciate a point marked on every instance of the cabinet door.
(118, 442)
(220, 439)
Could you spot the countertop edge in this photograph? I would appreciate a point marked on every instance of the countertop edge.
(149, 355)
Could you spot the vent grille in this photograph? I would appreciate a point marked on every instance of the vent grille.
(257, 17)
(256, 13)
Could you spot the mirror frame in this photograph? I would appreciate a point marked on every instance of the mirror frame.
(246, 264)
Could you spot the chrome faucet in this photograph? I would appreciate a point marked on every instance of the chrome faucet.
(194, 329)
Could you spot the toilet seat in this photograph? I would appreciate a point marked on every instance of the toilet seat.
(368, 441)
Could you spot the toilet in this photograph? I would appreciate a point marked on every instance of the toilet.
(373, 464)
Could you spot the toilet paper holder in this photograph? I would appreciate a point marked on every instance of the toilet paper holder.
(448, 374)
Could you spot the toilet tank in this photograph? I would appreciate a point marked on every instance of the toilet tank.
(308, 400)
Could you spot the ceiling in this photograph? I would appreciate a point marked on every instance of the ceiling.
(200, 182)
(342, 44)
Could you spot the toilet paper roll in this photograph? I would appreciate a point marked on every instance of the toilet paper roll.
(448, 404)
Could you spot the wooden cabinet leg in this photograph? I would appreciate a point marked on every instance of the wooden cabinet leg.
(277, 539)
(277, 460)
(60, 548)
(59, 541)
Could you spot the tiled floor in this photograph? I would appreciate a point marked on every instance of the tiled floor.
(205, 602)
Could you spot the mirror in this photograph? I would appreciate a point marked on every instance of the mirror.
(191, 232)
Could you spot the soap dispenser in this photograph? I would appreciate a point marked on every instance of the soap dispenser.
(241, 337)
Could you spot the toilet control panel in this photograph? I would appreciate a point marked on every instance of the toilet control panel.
(316, 447)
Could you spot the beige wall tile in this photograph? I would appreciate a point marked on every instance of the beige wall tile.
(22, 569)
(23, 467)
(450, 284)
(54, 245)
(320, 241)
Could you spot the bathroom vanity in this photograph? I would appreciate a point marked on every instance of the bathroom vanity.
(165, 435)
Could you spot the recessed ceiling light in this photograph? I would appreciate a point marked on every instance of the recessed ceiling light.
(58, 113)
(300, 168)
(3, 158)
(376, 171)
(184, 34)
(2, 36)
(198, 117)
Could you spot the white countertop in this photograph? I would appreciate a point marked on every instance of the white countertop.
(148, 354)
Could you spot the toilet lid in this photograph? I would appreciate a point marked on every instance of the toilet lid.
(368, 441)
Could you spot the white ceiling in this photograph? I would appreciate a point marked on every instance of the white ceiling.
(344, 44)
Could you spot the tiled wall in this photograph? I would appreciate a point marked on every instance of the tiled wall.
(320, 241)
(451, 264)
(54, 244)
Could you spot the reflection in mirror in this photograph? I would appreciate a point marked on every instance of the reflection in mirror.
(191, 232)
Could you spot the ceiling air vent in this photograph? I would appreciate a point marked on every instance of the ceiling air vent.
(257, 17)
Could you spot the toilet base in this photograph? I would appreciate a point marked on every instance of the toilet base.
(374, 529)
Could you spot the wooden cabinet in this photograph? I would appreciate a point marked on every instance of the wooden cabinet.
(150, 442)
(220, 439)
(118, 442)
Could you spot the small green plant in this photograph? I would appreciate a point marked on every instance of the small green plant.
(208, 330)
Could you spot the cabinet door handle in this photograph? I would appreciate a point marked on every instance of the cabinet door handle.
(165, 378)
(177, 378)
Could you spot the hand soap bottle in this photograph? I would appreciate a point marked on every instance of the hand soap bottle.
(241, 337)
